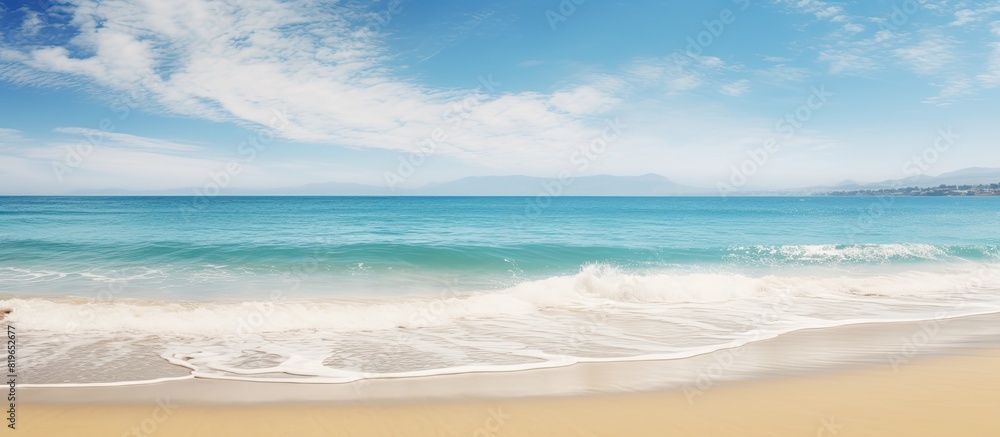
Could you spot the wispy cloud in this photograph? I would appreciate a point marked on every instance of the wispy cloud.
(677, 73)
(851, 60)
(974, 14)
(7, 134)
(820, 9)
(352, 89)
(117, 139)
(854, 28)
(930, 56)
(316, 63)
(583, 100)
(952, 88)
(991, 78)
(930, 48)
(735, 89)
(92, 159)
(782, 73)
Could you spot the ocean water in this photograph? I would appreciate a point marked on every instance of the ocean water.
(319, 289)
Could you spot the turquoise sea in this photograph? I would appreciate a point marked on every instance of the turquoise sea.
(336, 289)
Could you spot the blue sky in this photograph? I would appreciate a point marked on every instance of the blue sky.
(254, 94)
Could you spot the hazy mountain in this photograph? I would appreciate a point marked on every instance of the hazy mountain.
(124, 192)
(320, 189)
(337, 189)
(966, 176)
(601, 185)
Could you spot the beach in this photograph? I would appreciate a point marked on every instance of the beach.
(500, 219)
(852, 381)
(607, 316)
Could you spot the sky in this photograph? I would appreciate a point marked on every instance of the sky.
(258, 94)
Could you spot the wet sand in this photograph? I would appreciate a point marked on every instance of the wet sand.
(866, 380)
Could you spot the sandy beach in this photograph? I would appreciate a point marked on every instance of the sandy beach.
(950, 387)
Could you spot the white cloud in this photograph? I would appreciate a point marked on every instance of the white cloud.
(820, 9)
(7, 133)
(215, 61)
(963, 16)
(883, 35)
(778, 59)
(991, 78)
(854, 28)
(684, 83)
(9, 137)
(127, 140)
(98, 160)
(929, 56)
(847, 61)
(966, 16)
(785, 73)
(677, 73)
(951, 89)
(32, 23)
(735, 89)
(583, 100)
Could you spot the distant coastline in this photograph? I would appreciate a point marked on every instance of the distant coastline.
(941, 190)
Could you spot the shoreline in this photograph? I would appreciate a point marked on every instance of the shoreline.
(806, 352)
(955, 394)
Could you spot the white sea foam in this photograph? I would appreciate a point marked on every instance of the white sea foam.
(846, 253)
(599, 314)
(594, 286)
(18, 275)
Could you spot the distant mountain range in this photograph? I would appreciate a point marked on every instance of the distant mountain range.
(600, 185)
(967, 176)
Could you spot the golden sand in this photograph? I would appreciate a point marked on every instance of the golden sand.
(931, 396)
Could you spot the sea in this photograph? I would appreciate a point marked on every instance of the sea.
(131, 290)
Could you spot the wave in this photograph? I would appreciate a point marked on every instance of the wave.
(846, 253)
(595, 285)
(601, 313)
(27, 261)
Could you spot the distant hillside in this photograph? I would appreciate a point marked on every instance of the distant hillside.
(967, 176)
(939, 190)
(601, 185)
